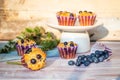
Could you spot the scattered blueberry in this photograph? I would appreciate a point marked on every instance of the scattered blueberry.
(97, 55)
(83, 56)
(106, 51)
(79, 57)
(101, 59)
(78, 63)
(86, 63)
(78, 60)
(86, 60)
(101, 52)
(106, 55)
(92, 55)
(71, 62)
(97, 52)
(95, 59)
(90, 59)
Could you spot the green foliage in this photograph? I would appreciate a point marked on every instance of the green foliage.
(47, 40)
(10, 46)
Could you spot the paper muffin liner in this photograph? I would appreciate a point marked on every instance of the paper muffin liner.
(86, 20)
(67, 52)
(66, 21)
(21, 49)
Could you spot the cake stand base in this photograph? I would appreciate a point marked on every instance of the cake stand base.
(81, 38)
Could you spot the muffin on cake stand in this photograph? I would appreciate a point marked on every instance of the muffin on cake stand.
(78, 34)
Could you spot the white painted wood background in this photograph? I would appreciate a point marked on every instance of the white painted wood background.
(15, 15)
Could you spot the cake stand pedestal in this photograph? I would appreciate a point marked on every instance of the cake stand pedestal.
(77, 34)
(81, 38)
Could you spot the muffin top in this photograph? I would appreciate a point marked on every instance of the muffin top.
(34, 59)
(25, 42)
(66, 14)
(67, 44)
(86, 13)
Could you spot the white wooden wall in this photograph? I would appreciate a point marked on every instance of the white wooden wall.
(15, 15)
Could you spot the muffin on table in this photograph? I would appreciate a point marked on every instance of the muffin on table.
(34, 59)
(86, 18)
(23, 45)
(67, 50)
(66, 18)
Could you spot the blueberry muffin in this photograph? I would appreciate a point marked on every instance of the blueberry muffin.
(67, 50)
(23, 45)
(34, 59)
(86, 18)
(66, 18)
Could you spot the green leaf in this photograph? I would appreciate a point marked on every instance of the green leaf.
(29, 30)
(14, 63)
(37, 30)
(18, 37)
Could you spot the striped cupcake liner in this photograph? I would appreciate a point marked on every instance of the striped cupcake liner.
(21, 49)
(86, 20)
(67, 52)
(66, 21)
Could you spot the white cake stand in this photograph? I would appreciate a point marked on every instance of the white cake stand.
(76, 33)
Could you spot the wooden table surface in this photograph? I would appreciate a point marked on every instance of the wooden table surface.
(58, 69)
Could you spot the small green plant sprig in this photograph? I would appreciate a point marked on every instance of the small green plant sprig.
(47, 40)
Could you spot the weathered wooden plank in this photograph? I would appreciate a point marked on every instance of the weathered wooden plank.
(58, 69)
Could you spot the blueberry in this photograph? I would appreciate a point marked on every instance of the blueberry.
(97, 55)
(86, 63)
(78, 63)
(38, 56)
(92, 55)
(85, 11)
(71, 15)
(22, 41)
(71, 44)
(101, 52)
(95, 59)
(85, 58)
(101, 59)
(97, 52)
(106, 55)
(79, 57)
(33, 61)
(82, 61)
(90, 12)
(71, 62)
(78, 60)
(65, 43)
(90, 59)
(105, 51)
(80, 11)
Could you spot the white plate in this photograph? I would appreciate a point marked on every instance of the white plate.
(77, 28)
